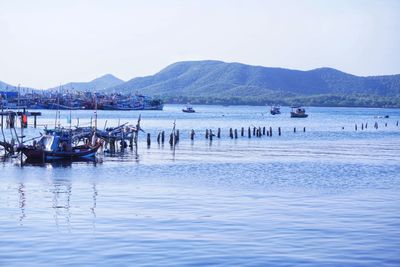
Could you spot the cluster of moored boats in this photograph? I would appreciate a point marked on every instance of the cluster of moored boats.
(71, 143)
(79, 100)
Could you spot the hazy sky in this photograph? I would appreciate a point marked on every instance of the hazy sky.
(47, 42)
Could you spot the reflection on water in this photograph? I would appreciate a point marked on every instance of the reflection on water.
(324, 197)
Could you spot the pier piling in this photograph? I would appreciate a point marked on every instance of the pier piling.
(192, 135)
(148, 140)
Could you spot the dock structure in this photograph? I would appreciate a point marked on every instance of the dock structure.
(10, 117)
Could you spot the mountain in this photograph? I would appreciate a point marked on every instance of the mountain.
(219, 80)
(97, 84)
(11, 88)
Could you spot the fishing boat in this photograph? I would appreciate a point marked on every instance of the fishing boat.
(51, 147)
(298, 112)
(188, 109)
(275, 110)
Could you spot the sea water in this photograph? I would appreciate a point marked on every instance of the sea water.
(329, 196)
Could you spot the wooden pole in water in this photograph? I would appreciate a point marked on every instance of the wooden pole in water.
(270, 131)
(385, 124)
(236, 134)
(304, 129)
(159, 138)
(254, 131)
(355, 127)
(211, 135)
(362, 126)
(249, 132)
(148, 140)
(162, 137)
(207, 133)
(366, 125)
(294, 129)
(279, 131)
(264, 130)
(230, 133)
(397, 123)
(242, 132)
(171, 139)
(177, 136)
(192, 135)
(219, 133)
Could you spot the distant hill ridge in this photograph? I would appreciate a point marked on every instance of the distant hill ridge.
(98, 84)
(217, 78)
(217, 82)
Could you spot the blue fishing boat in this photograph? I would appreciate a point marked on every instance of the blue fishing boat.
(51, 147)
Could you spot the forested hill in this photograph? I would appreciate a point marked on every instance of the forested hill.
(216, 81)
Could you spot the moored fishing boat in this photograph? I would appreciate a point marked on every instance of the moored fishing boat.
(51, 147)
(298, 112)
(275, 110)
(188, 109)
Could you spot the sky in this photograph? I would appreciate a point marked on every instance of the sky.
(45, 43)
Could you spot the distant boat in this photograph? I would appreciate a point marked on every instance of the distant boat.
(188, 109)
(298, 112)
(275, 110)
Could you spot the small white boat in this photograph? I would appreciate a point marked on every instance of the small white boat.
(188, 109)
(298, 112)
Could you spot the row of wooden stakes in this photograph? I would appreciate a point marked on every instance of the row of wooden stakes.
(210, 135)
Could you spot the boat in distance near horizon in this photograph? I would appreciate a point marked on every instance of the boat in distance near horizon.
(188, 109)
(275, 110)
(298, 112)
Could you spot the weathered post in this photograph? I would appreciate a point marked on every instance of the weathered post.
(294, 129)
(148, 140)
(242, 132)
(171, 139)
(230, 133)
(207, 133)
(192, 135)
(355, 127)
(270, 131)
(219, 133)
(211, 135)
(304, 129)
(279, 131)
(162, 137)
(159, 138)
(236, 134)
(366, 125)
(362, 126)
(34, 121)
(385, 124)
(254, 131)
(249, 132)
(264, 130)
(177, 136)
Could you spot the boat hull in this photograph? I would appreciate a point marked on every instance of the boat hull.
(296, 115)
(76, 153)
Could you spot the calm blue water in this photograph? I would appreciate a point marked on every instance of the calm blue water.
(325, 197)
